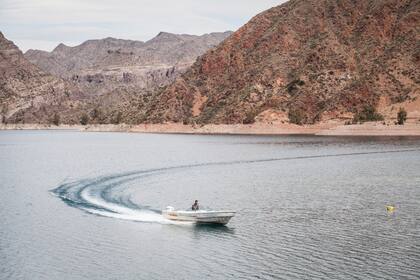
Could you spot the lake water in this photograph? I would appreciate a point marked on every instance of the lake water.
(77, 205)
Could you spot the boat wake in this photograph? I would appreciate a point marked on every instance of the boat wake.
(111, 195)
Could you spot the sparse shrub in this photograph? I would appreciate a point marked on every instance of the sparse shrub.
(368, 114)
(96, 115)
(292, 87)
(56, 119)
(96, 112)
(296, 116)
(312, 43)
(400, 98)
(84, 119)
(117, 118)
(401, 116)
(250, 117)
(4, 110)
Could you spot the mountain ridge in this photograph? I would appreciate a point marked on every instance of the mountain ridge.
(303, 62)
(109, 76)
(109, 66)
(28, 94)
(92, 51)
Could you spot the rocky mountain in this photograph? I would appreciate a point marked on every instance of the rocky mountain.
(102, 66)
(105, 81)
(304, 61)
(27, 94)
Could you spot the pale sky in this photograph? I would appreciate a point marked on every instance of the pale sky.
(43, 24)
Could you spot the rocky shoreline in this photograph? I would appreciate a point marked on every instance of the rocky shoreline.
(366, 129)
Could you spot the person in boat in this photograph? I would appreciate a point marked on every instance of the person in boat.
(195, 206)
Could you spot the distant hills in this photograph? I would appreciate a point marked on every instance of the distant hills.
(99, 66)
(306, 61)
(107, 77)
(28, 94)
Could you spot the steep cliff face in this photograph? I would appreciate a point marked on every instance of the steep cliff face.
(27, 93)
(304, 61)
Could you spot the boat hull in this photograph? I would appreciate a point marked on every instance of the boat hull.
(200, 216)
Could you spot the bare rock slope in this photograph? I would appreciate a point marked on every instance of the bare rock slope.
(304, 61)
(26, 92)
(101, 66)
(100, 81)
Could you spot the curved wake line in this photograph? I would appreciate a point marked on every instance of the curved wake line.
(110, 196)
(331, 155)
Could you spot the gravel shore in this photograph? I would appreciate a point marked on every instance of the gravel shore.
(366, 129)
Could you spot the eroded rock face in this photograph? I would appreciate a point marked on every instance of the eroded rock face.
(115, 78)
(304, 58)
(27, 94)
(107, 80)
(102, 66)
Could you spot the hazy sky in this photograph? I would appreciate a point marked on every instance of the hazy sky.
(43, 24)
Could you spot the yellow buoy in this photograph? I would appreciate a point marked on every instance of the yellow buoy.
(390, 208)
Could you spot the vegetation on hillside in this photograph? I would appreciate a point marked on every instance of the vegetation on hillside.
(367, 114)
(401, 116)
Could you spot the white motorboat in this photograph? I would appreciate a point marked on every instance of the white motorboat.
(198, 216)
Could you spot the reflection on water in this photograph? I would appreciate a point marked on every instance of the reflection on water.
(213, 229)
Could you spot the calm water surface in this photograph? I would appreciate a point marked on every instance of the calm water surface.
(87, 206)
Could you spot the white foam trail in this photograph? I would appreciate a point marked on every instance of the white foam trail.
(141, 216)
(124, 213)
